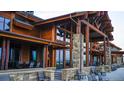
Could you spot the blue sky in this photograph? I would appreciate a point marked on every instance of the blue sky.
(117, 19)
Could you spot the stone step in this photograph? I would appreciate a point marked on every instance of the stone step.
(57, 75)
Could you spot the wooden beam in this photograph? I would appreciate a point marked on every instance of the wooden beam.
(60, 18)
(65, 17)
(7, 53)
(53, 57)
(22, 25)
(29, 38)
(3, 53)
(64, 52)
(91, 56)
(46, 56)
(11, 23)
(64, 58)
(53, 33)
(71, 47)
(28, 16)
(87, 45)
(81, 50)
(94, 28)
(65, 30)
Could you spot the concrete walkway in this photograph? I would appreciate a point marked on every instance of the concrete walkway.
(117, 75)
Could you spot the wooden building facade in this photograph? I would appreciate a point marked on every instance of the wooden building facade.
(28, 41)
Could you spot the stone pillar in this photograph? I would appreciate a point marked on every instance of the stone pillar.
(108, 56)
(76, 50)
(108, 53)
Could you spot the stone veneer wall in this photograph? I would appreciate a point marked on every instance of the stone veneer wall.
(30, 74)
(33, 74)
(108, 56)
(103, 68)
(76, 50)
(69, 74)
(24, 76)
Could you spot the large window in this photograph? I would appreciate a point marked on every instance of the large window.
(4, 24)
(60, 35)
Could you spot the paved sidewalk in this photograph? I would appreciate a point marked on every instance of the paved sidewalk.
(117, 75)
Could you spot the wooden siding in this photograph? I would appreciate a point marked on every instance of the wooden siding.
(25, 54)
(25, 32)
(48, 33)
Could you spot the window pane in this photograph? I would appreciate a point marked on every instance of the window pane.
(11, 56)
(1, 26)
(7, 24)
(61, 56)
(67, 57)
(57, 56)
(34, 55)
(60, 35)
(1, 23)
(1, 19)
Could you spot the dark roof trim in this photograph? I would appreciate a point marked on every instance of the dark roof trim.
(117, 52)
(64, 17)
(28, 16)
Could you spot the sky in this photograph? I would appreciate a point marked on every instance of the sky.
(117, 19)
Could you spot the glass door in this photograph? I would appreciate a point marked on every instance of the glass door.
(59, 59)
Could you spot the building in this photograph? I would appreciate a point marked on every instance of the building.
(27, 41)
(116, 54)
